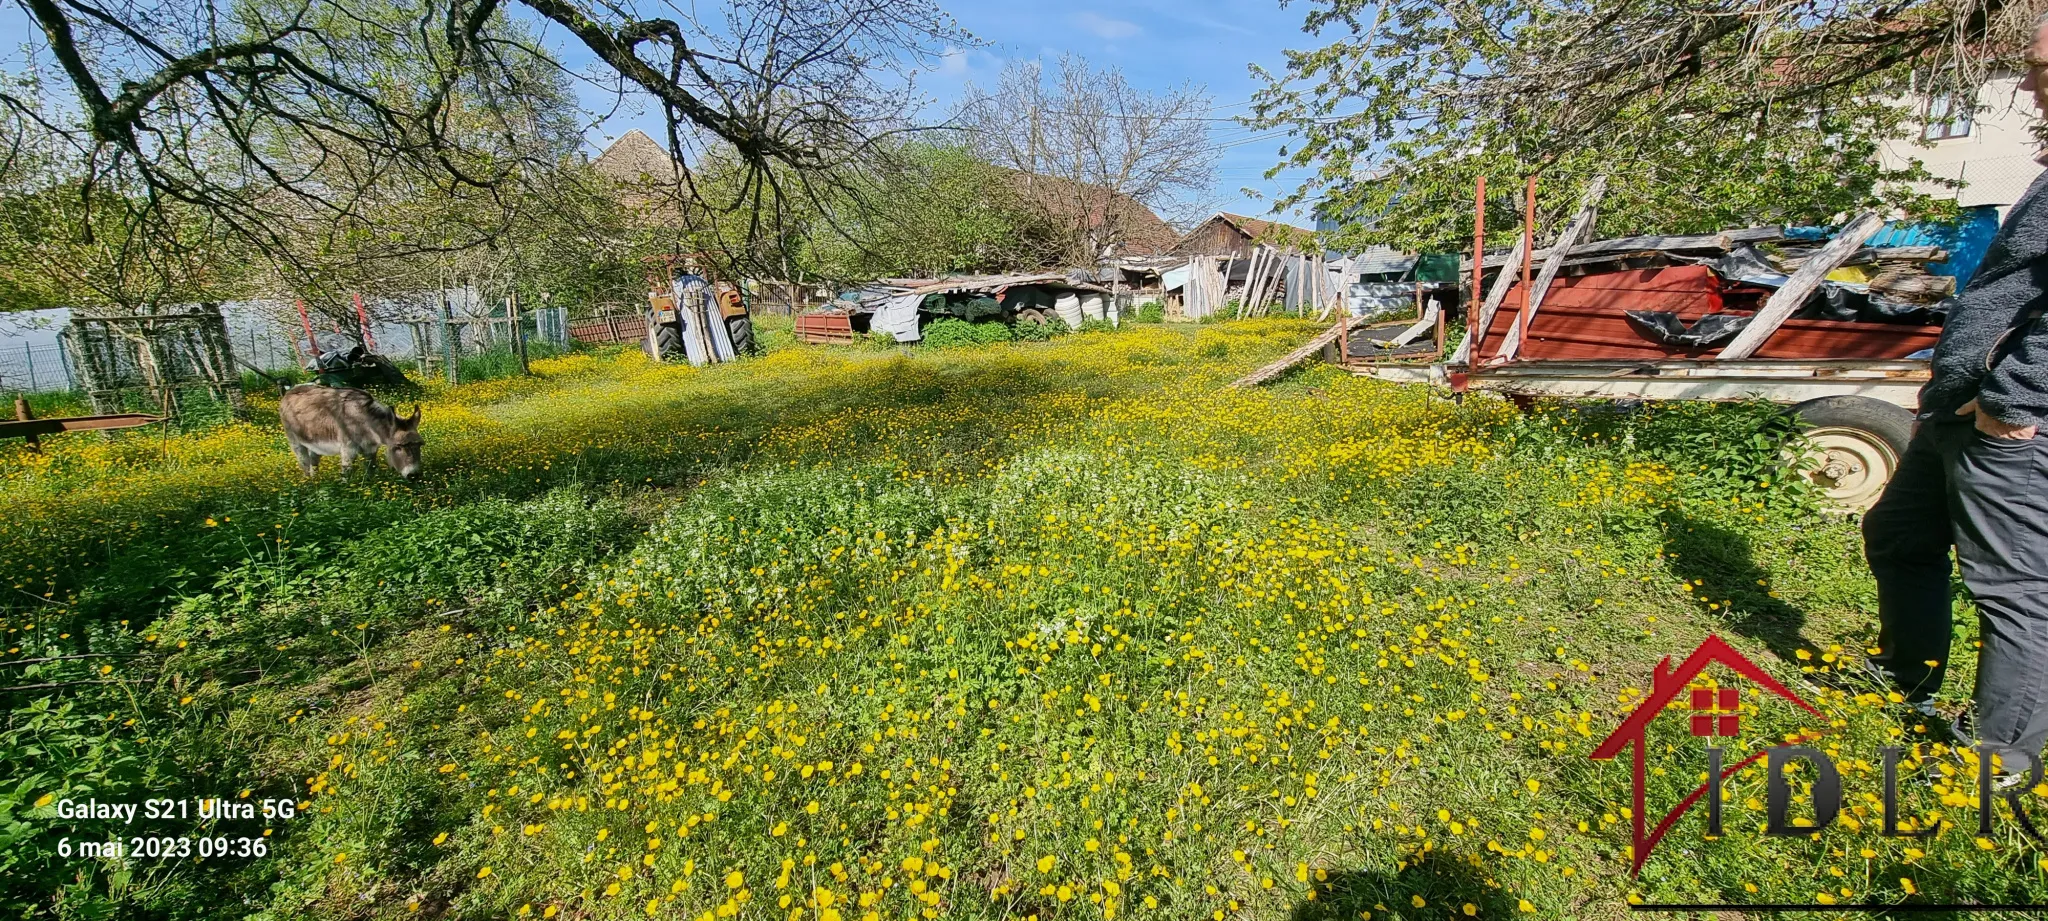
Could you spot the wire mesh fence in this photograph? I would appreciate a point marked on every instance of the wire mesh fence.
(482, 346)
(36, 369)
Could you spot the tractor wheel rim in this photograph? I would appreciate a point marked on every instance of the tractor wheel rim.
(1851, 466)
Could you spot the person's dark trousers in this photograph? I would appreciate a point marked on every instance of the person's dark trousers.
(1985, 497)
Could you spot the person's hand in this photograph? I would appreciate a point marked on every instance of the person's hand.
(1992, 426)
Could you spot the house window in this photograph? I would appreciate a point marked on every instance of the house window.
(1948, 116)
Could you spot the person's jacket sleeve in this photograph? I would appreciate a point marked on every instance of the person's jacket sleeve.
(2015, 390)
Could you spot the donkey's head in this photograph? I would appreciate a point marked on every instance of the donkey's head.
(404, 447)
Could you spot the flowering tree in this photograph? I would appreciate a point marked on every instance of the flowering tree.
(1706, 115)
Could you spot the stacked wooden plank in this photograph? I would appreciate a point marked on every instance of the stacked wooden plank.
(1596, 254)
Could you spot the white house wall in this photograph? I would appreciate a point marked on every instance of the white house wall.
(1995, 160)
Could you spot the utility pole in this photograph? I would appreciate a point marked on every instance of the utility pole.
(1475, 333)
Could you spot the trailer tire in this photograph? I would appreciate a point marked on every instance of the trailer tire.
(1853, 447)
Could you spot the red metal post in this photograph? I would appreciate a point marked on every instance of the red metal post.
(363, 321)
(311, 342)
(1477, 333)
(1528, 254)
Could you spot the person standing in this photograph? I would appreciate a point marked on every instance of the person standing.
(1975, 477)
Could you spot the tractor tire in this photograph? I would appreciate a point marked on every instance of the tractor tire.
(1031, 315)
(1853, 446)
(667, 345)
(740, 330)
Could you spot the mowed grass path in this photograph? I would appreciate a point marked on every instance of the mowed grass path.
(1060, 630)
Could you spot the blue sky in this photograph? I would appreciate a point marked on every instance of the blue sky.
(1158, 44)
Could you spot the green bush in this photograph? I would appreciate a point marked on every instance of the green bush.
(267, 382)
(1095, 326)
(51, 403)
(502, 361)
(1052, 328)
(949, 333)
(1153, 312)
(881, 340)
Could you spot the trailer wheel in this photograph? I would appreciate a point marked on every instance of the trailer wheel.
(1853, 447)
(1031, 315)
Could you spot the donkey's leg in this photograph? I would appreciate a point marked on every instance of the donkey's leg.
(309, 460)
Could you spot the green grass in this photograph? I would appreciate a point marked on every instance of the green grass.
(1059, 629)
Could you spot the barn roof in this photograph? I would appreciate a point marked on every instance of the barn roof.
(637, 158)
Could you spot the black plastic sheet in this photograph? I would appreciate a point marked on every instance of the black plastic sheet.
(1665, 328)
(1845, 302)
(1745, 264)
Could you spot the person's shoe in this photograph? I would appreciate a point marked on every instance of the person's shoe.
(1873, 671)
(1962, 729)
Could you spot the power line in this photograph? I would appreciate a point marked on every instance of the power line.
(1252, 140)
(1157, 118)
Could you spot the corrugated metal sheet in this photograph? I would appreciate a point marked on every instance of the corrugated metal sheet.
(1582, 319)
(825, 327)
(1387, 262)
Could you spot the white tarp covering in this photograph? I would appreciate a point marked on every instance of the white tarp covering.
(898, 317)
(1174, 279)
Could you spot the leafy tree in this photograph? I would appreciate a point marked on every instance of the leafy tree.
(1706, 115)
(363, 114)
(930, 210)
(100, 246)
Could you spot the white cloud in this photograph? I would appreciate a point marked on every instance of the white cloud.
(1104, 27)
(953, 63)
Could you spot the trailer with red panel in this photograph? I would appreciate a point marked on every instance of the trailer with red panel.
(1853, 384)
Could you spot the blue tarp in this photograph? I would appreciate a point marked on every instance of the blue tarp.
(1965, 241)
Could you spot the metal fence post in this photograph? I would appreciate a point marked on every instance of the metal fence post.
(448, 341)
(518, 332)
(30, 353)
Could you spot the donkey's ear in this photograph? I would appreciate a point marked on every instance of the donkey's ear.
(414, 419)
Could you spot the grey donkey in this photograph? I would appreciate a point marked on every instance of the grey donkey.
(320, 421)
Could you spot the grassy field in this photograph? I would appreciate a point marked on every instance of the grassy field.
(1060, 630)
